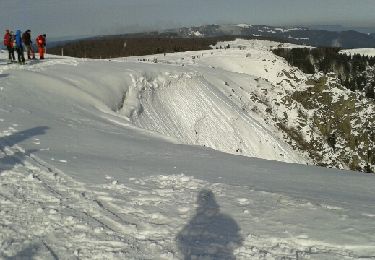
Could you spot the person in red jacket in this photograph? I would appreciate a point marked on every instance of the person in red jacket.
(41, 42)
(8, 42)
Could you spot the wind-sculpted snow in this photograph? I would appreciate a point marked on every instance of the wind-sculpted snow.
(193, 110)
(82, 176)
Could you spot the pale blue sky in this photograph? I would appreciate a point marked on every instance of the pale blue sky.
(90, 17)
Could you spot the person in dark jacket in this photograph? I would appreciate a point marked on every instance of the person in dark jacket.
(19, 47)
(41, 42)
(8, 42)
(26, 38)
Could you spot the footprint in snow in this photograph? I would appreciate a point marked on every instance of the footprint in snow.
(243, 201)
(62, 161)
(368, 215)
(183, 210)
(52, 211)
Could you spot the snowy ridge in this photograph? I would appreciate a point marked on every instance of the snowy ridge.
(243, 25)
(82, 176)
(361, 51)
(209, 99)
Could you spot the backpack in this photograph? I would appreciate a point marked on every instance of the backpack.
(18, 39)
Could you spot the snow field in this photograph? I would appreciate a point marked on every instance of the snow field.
(82, 176)
(47, 214)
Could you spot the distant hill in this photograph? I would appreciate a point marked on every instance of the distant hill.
(300, 35)
(133, 45)
(202, 37)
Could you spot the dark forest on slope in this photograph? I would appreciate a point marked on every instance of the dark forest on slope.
(354, 72)
(140, 45)
(348, 120)
(112, 47)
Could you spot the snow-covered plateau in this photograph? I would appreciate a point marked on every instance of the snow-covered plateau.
(168, 157)
(361, 51)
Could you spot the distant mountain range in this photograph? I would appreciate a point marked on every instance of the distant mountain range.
(341, 28)
(299, 35)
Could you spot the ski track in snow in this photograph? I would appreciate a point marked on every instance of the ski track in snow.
(46, 214)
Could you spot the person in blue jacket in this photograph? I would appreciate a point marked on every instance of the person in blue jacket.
(19, 47)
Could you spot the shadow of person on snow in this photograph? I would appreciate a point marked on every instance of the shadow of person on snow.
(209, 234)
(9, 160)
(35, 250)
(27, 253)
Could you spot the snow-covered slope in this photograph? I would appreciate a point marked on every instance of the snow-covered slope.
(190, 107)
(96, 162)
(362, 51)
(210, 101)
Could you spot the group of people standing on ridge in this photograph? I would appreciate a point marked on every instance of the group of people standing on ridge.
(16, 42)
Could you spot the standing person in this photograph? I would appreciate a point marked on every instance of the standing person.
(19, 47)
(8, 42)
(41, 41)
(13, 45)
(26, 38)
